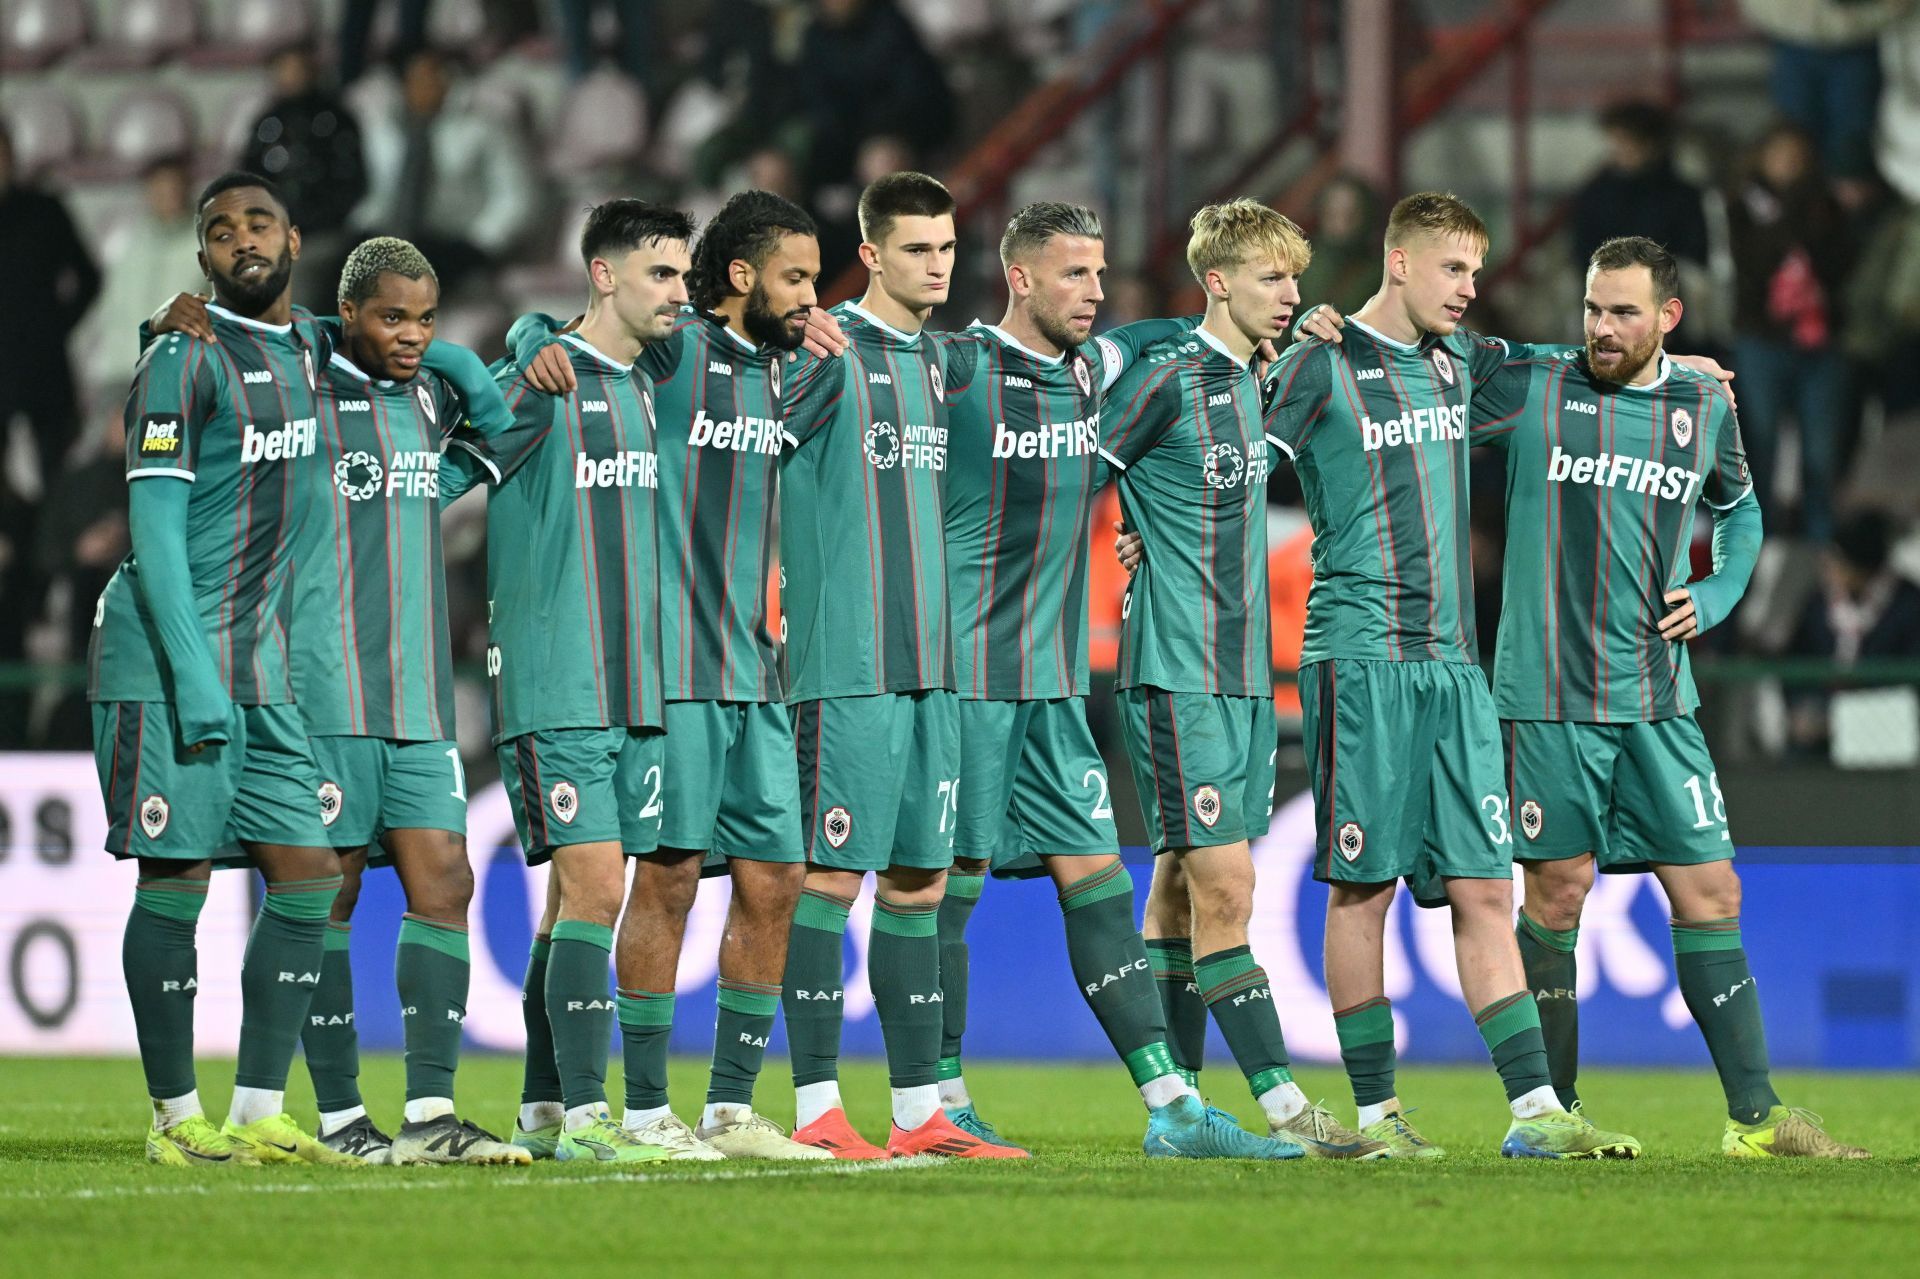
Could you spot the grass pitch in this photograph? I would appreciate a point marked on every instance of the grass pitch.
(77, 1198)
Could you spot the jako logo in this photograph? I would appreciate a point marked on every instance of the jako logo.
(1575, 406)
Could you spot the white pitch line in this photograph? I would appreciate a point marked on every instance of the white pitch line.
(480, 1180)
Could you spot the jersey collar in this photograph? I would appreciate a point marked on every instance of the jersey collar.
(1382, 338)
(262, 325)
(739, 339)
(1018, 345)
(905, 337)
(1220, 346)
(595, 352)
(341, 362)
(1666, 371)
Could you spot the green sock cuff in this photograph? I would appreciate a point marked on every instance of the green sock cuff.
(1114, 881)
(1272, 1077)
(1171, 959)
(1502, 1019)
(947, 1068)
(644, 1007)
(822, 911)
(1150, 1061)
(445, 938)
(1691, 936)
(1227, 973)
(541, 947)
(580, 930)
(306, 900)
(962, 884)
(339, 936)
(162, 897)
(1562, 941)
(749, 1001)
(1368, 1023)
(906, 921)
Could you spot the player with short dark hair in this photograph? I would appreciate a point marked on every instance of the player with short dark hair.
(1610, 448)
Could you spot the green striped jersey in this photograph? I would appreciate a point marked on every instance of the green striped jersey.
(371, 651)
(1602, 485)
(1182, 427)
(863, 575)
(573, 598)
(235, 418)
(717, 402)
(1377, 431)
(1023, 467)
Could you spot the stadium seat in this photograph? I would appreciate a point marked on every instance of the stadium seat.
(46, 131)
(141, 33)
(251, 30)
(142, 126)
(34, 33)
(602, 124)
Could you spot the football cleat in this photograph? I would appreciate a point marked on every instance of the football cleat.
(194, 1142)
(671, 1134)
(746, 1135)
(362, 1140)
(1401, 1139)
(1185, 1128)
(939, 1136)
(604, 1141)
(1562, 1134)
(832, 1133)
(446, 1139)
(541, 1143)
(1785, 1133)
(1323, 1137)
(278, 1140)
(968, 1120)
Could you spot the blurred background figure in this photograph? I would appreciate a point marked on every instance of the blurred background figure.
(1864, 610)
(1346, 244)
(1638, 191)
(147, 262)
(356, 33)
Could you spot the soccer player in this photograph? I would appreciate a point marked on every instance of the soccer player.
(1024, 410)
(198, 741)
(574, 655)
(731, 792)
(868, 667)
(1609, 450)
(1403, 744)
(1182, 428)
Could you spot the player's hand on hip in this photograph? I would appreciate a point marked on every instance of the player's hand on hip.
(1712, 368)
(1127, 546)
(551, 370)
(1321, 322)
(823, 336)
(1683, 623)
(184, 313)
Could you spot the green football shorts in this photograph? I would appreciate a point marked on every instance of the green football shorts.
(1405, 762)
(730, 788)
(1203, 764)
(1032, 785)
(585, 786)
(877, 779)
(165, 802)
(1634, 795)
(370, 785)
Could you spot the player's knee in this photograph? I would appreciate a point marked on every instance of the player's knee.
(1361, 899)
(349, 895)
(593, 894)
(1481, 901)
(1706, 892)
(971, 865)
(1556, 897)
(766, 889)
(911, 885)
(1224, 901)
(446, 899)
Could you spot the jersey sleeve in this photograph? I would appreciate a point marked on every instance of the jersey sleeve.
(502, 454)
(463, 390)
(1138, 412)
(1295, 395)
(961, 354)
(1487, 355)
(1728, 479)
(177, 389)
(810, 392)
(659, 361)
(1122, 346)
(1499, 397)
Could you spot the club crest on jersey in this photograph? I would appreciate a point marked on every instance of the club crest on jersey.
(773, 378)
(1350, 839)
(358, 476)
(153, 816)
(1682, 424)
(837, 826)
(1531, 819)
(1443, 365)
(646, 406)
(1206, 805)
(329, 803)
(564, 800)
(939, 383)
(1223, 466)
(426, 405)
(883, 445)
(1082, 375)
(306, 366)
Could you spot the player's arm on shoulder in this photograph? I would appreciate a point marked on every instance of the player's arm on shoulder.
(811, 389)
(471, 458)
(1138, 411)
(540, 354)
(1119, 348)
(959, 356)
(466, 373)
(1502, 376)
(1295, 394)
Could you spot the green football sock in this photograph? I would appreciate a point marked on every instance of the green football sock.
(1111, 968)
(963, 894)
(162, 969)
(813, 996)
(1511, 1029)
(540, 1078)
(1241, 1002)
(329, 1039)
(903, 967)
(578, 1009)
(741, 1027)
(1180, 1003)
(1551, 971)
(646, 1024)
(1366, 1049)
(278, 977)
(1720, 993)
(431, 968)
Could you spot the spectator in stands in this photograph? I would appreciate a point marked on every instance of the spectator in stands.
(50, 280)
(863, 70)
(154, 260)
(80, 541)
(1637, 191)
(637, 54)
(1346, 244)
(308, 143)
(356, 34)
(18, 581)
(1791, 257)
(1864, 610)
(457, 181)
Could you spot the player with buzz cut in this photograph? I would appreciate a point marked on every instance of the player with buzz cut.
(574, 656)
(197, 738)
(730, 794)
(1610, 449)
(1182, 429)
(867, 661)
(1023, 409)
